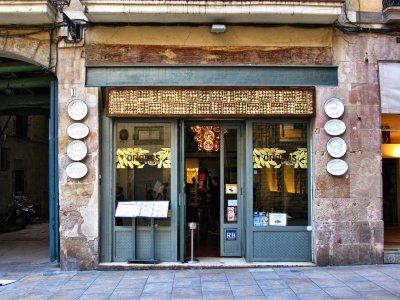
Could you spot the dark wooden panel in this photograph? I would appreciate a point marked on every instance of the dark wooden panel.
(114, 55)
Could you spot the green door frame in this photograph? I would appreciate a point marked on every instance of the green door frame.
(240, 126)
(305, 231)
(108, 162)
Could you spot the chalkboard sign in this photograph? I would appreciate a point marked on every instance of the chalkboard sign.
(142, 209)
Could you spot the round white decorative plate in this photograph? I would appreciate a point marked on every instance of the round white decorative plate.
(77, 110)
(76, 150)
(336, 147)
(77, 131)
(76, 170)
(337, 167)
(334, 108)
(335, 127)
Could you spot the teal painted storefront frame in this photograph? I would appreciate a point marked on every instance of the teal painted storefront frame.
(53, 174)
(181, 76)
(288, 234)
(109, 233)
(252, 76)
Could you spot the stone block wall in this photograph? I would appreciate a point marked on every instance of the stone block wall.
(347, 210)
(78, 198)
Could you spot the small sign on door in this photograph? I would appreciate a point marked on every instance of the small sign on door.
(230, 235)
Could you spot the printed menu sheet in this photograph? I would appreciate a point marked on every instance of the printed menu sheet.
(143, 209)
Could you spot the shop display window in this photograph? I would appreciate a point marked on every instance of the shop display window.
(143, 166)
(280, 174)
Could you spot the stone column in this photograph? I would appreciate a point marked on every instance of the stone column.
(347, 210)
(79, 198)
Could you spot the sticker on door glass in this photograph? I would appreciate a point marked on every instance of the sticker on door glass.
(231, 214)
(230, 235)
(231, 188)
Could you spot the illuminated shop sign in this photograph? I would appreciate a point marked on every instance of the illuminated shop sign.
(143, 102)
(138, 158)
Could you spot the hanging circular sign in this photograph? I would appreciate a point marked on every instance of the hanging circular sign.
(335, 127)
(336, 147)
(337, 167)
(77, 110)
(76, 150)
(77, 131)
(334, 108)
(76, 170)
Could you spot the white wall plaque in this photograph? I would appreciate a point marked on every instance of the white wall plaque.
(335, 127)
(77, 110)
(334, 108)
(76, 150)
(76, 170)
(337, 167)
(77, 131)
(336, 147)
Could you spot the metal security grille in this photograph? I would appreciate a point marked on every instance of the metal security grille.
(389, 3)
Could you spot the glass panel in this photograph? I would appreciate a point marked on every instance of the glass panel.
(280, 174)
(230, 177)
(143, 166)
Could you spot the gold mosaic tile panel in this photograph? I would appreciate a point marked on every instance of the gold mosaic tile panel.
(242, 102)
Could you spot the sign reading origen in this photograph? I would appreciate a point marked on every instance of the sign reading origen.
(337, 167)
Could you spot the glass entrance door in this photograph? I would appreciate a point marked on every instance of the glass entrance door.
(212, 186)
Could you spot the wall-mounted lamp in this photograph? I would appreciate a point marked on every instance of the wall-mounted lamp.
(218, 28)
(390, 150)
(60, 4)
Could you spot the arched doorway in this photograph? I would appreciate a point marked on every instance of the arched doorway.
(27, 94)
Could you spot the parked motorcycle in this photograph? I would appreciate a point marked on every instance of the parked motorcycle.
(17, 215)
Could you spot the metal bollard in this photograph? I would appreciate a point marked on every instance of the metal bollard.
(192, 227)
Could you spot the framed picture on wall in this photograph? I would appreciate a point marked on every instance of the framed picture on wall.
(277, 219)
(149, 135)
(291, 132)
(231, 188)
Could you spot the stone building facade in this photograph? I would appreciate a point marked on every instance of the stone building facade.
(345, 212)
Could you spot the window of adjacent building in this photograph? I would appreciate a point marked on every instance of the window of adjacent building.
(21, 126)
(280, 176)
(143, 166)
(19, 181)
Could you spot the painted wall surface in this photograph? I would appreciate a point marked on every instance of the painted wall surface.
(365, 5)
(79, 199)
(235, 36)
(347, 210)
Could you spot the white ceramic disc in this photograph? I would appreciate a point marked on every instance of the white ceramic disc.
(337, 167)
(77, 110)
(77, 131)
(336, 147)
(335, 127)
(76, 150)
(76, 170)
(334, 108)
